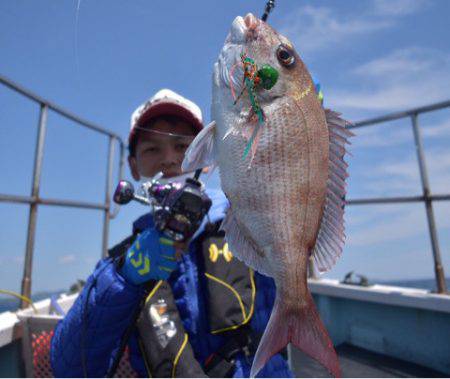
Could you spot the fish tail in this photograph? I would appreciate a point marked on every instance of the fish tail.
(303, 328)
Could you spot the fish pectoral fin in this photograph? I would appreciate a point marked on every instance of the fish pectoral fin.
(201, 152)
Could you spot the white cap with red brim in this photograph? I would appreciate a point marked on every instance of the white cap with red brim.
(166, 103)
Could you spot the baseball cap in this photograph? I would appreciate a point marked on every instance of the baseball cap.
(166, 103)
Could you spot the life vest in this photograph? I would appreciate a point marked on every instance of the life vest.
(204, 321)
(229, 303)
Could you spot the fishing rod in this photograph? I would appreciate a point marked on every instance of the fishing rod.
(269, 6)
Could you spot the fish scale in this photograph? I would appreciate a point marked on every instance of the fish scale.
(286, 201)
(275, 190)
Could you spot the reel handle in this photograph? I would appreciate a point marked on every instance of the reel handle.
(124, 193)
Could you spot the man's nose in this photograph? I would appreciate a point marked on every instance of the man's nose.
(169, 156)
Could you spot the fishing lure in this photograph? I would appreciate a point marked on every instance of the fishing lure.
(265, 77)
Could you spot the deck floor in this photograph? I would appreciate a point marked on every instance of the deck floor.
(360, 363)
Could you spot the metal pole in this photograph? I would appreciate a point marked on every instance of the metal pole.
(54, 107)
(438, 269)
(51, 202)
(399, 115)
(121, 160)
(109, 173)
(39, 153)
(398, 199)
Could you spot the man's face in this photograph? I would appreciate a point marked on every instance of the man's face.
(158, 151)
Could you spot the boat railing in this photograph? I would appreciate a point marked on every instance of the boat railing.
(34, 200)
(427, 197)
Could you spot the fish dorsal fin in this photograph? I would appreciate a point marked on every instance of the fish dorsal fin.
(331, 237)
(201, 152)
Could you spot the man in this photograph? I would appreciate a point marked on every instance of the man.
(196, 316)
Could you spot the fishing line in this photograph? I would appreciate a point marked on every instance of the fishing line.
(77, 63)
(21, 297)
(175, 135)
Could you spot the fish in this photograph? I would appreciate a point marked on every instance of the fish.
(287, 197)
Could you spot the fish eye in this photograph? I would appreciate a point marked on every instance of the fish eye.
(285, 56)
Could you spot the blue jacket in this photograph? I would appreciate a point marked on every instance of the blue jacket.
(95, 324)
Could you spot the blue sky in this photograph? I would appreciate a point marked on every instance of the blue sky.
(371, 56)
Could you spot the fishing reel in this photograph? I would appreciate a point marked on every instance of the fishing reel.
(178, 208)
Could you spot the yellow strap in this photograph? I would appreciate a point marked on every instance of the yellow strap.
(235, 293)
(177, 358)
(19, 296)
(250, 313)
(150, 295)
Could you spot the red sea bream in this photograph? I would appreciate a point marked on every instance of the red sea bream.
(286, 196)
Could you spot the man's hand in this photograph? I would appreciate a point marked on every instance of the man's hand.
(151, 256)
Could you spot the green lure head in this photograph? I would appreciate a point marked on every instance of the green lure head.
(268, 76)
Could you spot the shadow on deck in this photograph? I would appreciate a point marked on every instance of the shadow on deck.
(361, 363)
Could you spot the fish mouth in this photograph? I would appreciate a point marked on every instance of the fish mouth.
(242, 29)
(229, 69)
(238, 31)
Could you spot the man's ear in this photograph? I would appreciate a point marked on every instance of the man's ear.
(133, 168)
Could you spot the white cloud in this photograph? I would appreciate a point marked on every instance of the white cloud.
(391, 97)
(316, 28)
(394, 178)
(313, 29)
(409, 169)
(19, 260)
(438, 164)
(405, 78)
(394, 186)
(358, 216)
(437, 130)
(402, 79)
(90, 260)
(404, 224)
(66, 259)
(406, 170)
(403, 63)
(398, 7)
(376, 137)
